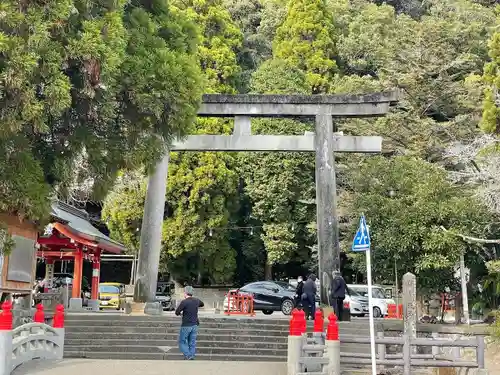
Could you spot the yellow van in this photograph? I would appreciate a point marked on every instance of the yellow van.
(111, 296)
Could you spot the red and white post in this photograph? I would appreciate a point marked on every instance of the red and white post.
(58, 325)
(333, 345)
(319, 324)
(6, 339)
(295, 342)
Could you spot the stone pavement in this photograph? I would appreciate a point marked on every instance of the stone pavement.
(121, 367)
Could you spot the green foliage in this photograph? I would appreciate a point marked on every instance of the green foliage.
(433, 61)
(7, 243)
(406, 226)
(433, 51)
(276, 181)
(123, 209)
(219, 41)
(491, 284)
(201, 187)
(306, 40)
(491, 76)
(102, 81)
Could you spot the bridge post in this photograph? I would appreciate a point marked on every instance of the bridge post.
(58, 326)
(6, 338)
(295, 342)
(333, 345)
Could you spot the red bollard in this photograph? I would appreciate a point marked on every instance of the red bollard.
(332, 330)
(59, 317)
(302, 323)
(39, 314)
(319, 322)
(294, 323)
(6, 316)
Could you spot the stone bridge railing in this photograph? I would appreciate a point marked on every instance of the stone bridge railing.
(30, 341)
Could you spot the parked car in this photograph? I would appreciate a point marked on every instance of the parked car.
(268, 296)
(358, 304)
(379, 299)
(164, 295)
(111, 296)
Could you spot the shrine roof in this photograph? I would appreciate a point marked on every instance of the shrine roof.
(78, 222)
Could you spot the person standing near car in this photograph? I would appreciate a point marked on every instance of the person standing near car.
(189, 327)
(337, 294)
(298, 292)
(309, 296)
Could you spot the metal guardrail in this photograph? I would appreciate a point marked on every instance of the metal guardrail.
(407, 359)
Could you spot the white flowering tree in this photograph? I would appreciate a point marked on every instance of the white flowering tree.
(478, 166)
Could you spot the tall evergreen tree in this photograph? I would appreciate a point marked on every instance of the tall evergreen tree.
(202, 187)
(491, 112)
(306, 41)
(85, 89)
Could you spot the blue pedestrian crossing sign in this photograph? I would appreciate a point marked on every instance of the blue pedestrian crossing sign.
(362, 238)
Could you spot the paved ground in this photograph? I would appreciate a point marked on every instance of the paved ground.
(120, 367)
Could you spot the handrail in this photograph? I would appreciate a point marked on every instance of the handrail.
(417, 360)
(30, 326)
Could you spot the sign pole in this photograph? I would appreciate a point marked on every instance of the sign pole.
(362, 243)
(370, 307)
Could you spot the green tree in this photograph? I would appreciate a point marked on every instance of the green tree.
(407, 203)
(201, 187)
(124, 207)
(89, 89)
(275, 182)
(491, 77)
(432, 61)
(306, 40)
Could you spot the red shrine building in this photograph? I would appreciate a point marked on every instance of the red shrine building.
(71, 237)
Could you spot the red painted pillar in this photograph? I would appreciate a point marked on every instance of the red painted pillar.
(77, 275)
(96, 270)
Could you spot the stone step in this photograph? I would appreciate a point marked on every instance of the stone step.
(227, 322)
(202, 336)
(167, 330)
(170, 356)
(146, 320)
(202, 342)
(228, 350)
(147, 331)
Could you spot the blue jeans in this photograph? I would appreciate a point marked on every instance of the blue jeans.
(187, 341)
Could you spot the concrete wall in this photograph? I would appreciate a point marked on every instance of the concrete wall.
(209, 296)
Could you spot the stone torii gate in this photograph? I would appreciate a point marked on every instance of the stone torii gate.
(323, 142)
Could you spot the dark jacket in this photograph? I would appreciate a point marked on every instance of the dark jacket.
(300, 289)
(338, 287)
(309, 288)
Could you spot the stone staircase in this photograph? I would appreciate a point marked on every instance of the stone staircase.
(103, 336)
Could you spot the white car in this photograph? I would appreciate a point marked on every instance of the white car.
(380, 300)
(358, 304)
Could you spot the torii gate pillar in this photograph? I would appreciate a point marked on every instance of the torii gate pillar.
(324, 143)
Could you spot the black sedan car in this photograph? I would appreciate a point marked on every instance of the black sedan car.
(268, 296)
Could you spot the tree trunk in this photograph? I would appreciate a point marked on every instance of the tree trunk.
(268, 271)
